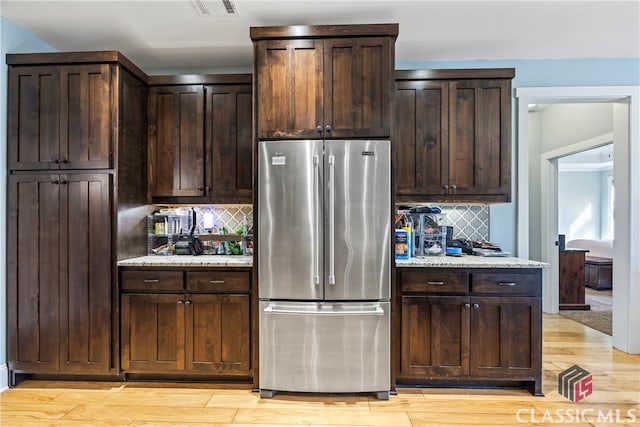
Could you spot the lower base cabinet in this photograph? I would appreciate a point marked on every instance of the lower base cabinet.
(185, 333)
(480, 328)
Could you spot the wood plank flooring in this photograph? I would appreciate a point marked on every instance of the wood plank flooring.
(615, 399)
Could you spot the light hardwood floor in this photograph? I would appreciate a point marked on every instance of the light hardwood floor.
(615, 399)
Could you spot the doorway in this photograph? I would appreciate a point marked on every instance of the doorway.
(626, 130)
(585, 220)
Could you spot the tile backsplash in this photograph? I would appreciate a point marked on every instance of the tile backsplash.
(227, 216)
(468, 221)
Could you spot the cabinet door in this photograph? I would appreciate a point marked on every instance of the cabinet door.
(85, 117)
(33, 117)
(358, 85)
(33, 273)
(421, 136)
(480, 138)
(85, 267)
(505, 337)
(176, 141)
(434, 337)
(218, 334)
(229, 159)
(289, 85)
(152, 333)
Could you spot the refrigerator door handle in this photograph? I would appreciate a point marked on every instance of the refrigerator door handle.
(316, 208)
(374, 311)
(332, 221)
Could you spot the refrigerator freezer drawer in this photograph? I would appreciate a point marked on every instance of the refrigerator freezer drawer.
(325, 347)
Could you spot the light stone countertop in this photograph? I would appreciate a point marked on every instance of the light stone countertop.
(188, 261)
(470, 261)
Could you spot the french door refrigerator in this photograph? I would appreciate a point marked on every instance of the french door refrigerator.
(324, 260)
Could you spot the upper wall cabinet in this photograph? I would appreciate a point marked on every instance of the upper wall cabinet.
(324, 81)
(59, 117)
(452, 130)
(200, 145)
(176, 143)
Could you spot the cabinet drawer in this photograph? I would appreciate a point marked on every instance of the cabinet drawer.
(445, 282)
(152, 280)
(506, 283)
(218, 281)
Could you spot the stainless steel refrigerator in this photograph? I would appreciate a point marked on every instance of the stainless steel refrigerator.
(324, 260)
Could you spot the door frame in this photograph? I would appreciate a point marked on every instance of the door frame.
(626, 135)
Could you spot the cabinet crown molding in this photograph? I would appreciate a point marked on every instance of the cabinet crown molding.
(323, 31)
(83, 57)
(449, 74)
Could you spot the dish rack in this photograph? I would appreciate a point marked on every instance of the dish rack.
(430, 234)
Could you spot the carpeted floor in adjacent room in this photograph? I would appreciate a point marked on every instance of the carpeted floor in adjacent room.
(599, 317)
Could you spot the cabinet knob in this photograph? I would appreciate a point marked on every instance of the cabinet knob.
(55, 160)
(446, 187)
(476, 306)
(55, 181)
(454, 187)
(179, 302)
(467, 305)
(64, 160)
(63, 181)
(207, 189)
(327, 128)
(199, 188)
(187, 303)
(319, 128)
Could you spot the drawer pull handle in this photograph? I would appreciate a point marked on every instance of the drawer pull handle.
(507, 283)
(216, 282)
(429, 282)
(151, 280)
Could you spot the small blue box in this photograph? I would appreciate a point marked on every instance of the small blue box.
(403, 245)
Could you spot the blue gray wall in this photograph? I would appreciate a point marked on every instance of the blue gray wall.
(13, 39)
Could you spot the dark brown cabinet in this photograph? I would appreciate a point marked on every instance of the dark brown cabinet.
(452, 131)
(59, 277)
(435, 336)
(324, 81)
(77, 180)
(200, 140)
(228, 142)
(176, 141)
(469, 327)
(188, 323)
(60, 117)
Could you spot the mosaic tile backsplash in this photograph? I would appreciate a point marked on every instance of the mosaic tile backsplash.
(468, 221)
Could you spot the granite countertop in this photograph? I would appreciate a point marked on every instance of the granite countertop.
(470, 261)
(188, 261)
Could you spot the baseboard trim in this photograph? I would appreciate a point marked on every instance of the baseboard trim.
(4, 377)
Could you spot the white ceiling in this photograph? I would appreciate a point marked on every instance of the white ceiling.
(165, 36)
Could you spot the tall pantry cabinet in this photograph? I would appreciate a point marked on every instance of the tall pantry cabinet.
(76, 131)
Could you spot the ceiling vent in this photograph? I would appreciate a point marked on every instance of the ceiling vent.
(217, 8)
